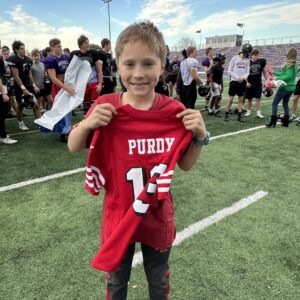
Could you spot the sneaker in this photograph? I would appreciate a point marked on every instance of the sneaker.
(205, 107)
(22, 126)
(259, 115)
(226, 118)
(248, 113)
(8, 140)
(293, 118)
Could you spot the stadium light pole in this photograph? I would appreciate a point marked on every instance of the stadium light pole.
(242, 25)
(108, 14)
(199, 31)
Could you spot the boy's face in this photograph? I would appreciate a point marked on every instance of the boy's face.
(254, 57)
(21, 51)
(5, 54)
(36, 58)
(140, 69)
(57, 49)
(85, 46)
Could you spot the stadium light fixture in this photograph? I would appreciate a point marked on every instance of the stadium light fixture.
(199, 31)
(242, 25)
(108, 14)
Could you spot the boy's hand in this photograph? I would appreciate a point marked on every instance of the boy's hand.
(100, 116)
(192, 120)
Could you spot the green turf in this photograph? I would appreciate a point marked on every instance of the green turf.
(50, 231)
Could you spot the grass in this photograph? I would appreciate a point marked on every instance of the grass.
(49, 231)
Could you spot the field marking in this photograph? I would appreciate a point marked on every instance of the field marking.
(41, 179)
(58, 175)
(204, 223)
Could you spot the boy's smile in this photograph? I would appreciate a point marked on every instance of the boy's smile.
(140, 69)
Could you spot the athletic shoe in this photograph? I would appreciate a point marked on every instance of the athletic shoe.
(205, 107)
(248, 113)
(8, 140)
(259, 115)
(293, 118)
(22, 126)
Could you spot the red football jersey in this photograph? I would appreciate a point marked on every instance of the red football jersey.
(134, 158)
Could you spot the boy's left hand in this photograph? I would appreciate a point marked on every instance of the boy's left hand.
(192, 120)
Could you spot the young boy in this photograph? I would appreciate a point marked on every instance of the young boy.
(254, 83)
(238, 70)
(137, 134)
(216, 76)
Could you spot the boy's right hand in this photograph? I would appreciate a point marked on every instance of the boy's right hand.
(101, 116)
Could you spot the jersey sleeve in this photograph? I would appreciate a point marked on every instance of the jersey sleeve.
(49, 63)
(12, 61)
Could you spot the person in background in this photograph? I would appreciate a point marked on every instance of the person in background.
(95, 60)
(288, 75)
(40, 78)
(216, 83)
(56, 65)
(67, 52)
(190, 78)
(238, 70)
(8, 81)
(108, 80)
(295, 101)
(20, 66)
(4, 99)
(207, 63)
(254, 83)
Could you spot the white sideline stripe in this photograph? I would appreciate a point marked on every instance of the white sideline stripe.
(236, 132)
(58, 175)
(41, 179)
(204, 223)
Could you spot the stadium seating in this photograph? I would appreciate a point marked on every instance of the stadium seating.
(274, 54)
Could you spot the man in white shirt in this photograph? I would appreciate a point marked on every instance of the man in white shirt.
(238, 70)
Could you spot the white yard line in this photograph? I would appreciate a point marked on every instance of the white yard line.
(54, 176)
(204, 223)
(41, 179)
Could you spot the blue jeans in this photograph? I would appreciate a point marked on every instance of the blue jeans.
(285, 97)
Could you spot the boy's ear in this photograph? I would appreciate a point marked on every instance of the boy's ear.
(162, 69)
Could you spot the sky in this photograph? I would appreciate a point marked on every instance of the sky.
(36, 22)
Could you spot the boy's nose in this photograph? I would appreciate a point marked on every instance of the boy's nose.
(138, 72)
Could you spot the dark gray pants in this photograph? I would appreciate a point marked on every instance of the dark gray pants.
(156, 269)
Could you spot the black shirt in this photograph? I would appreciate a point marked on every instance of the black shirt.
(216, 73)
(23, 65)
(256, 69)
(91, 56)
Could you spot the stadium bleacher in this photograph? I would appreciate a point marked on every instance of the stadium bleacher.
(274, 54)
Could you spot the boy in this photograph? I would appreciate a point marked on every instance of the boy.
(39, 73)
(238, 70)
(254, 84)
(216, 76)
(95, 58)
(138, 130)
(207, 63)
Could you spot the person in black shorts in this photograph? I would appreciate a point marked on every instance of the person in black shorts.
(238, 70)
(254, 83)
(216, 83)
(295, 101)
(20, 66)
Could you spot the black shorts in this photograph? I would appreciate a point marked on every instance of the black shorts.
(297, 90)
(254, 91)
(237, 88)
(171, 78)
(19, 93)
(44, 92)
(10, 91)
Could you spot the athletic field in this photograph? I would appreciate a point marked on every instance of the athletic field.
(241, 201)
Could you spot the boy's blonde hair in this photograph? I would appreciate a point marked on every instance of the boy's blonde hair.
(146, 32)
